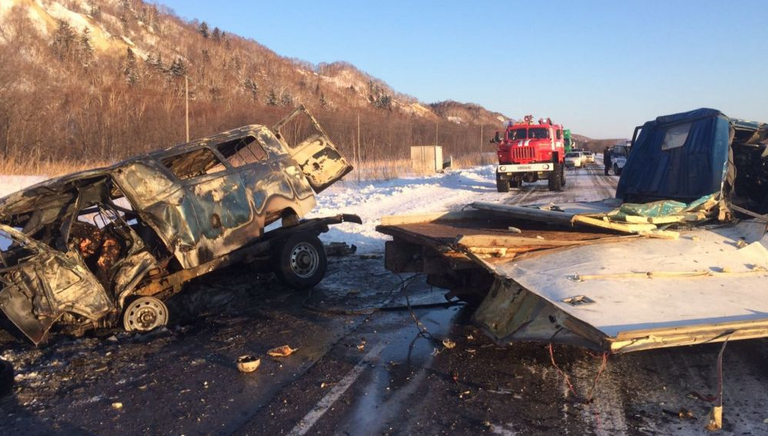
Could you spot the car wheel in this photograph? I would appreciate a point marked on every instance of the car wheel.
(145, 314)
(301, 261)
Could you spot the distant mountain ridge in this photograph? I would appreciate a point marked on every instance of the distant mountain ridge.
(154, 33)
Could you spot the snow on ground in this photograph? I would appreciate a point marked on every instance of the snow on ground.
(10, 184)
(425, 194)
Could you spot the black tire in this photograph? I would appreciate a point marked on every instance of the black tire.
(502, 185)
(562, 175)
(6, 378)
(300, 261)
(555, 182)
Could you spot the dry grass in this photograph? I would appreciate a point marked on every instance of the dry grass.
(47, 168)
(366, 170)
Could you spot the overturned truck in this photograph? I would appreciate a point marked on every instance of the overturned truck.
(679, 257)
(108, 245)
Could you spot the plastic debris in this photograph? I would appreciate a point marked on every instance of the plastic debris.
(248, 363)
(283, 351)
(449, 344)
(339, 249)
(715, 418)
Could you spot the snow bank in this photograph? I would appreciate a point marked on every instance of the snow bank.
(10, 184)
(374, 199)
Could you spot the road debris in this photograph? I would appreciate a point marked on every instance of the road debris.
(449, 344)
(248, 363)
(282, 351)
(338, 249)
(117, 405)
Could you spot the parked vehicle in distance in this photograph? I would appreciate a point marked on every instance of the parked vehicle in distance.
(589, 157)
(98, 247)
(619, 156)
(574, 159)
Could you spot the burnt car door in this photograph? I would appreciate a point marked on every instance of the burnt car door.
(39, 285)
(275, 184)
(310, 146)
(192, 201)
(223, 217)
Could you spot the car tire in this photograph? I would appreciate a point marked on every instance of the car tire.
(502, 185)
(562, 175)
(300, 261)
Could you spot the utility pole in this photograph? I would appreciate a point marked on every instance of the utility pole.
(481, 145)
(186, 103)
(358, 146)
(437, 130)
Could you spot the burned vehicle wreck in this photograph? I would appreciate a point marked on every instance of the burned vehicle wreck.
(106, 246)
(679, 257)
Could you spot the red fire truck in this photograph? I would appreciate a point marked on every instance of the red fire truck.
(528, 152)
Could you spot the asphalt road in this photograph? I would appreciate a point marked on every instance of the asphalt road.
(362, 368)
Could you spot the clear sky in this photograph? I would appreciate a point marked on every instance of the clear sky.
(599, 67)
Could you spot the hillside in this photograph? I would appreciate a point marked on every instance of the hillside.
(104, 79)
(596, 145)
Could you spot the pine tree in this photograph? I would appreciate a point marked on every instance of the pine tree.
(129, 72)
(286, 99)
(85, 49)
(216, 34)
(156, 62)
(63, 41)
(178, 68)
(251, 87)
(272, 99)
(203, 29)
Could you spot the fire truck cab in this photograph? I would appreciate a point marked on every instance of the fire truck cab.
(530, 151)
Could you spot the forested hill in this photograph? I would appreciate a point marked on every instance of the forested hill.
(104, 79)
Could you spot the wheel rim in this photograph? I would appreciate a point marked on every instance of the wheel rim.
(145, 314)
(304, 260)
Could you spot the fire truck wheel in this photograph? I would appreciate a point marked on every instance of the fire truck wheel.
(562, 175)
(502, 185)
(555, 178)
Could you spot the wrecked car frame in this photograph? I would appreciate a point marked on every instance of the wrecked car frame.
(86, 249)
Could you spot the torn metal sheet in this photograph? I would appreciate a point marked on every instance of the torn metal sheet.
(640, 294)
(78, 247)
